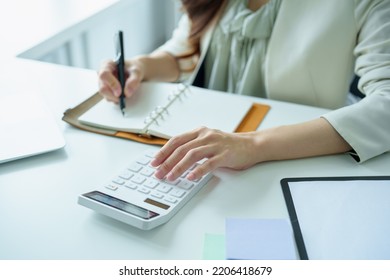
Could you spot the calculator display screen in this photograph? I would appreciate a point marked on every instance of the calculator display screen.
(121, 205)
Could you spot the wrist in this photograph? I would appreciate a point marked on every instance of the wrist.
(265, 145)
(159, 66)
(254, 147)
(138, 64)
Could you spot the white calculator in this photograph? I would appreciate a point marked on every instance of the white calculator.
(136, 197)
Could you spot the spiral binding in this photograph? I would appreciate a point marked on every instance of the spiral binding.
(158, 113)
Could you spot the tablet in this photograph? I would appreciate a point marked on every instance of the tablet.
(338, 218)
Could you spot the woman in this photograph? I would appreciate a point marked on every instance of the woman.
(299, 51)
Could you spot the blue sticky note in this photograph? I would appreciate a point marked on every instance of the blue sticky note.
(259, 239)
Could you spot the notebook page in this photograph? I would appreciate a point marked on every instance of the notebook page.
(202, 107)
(108, 115)
(192, 108)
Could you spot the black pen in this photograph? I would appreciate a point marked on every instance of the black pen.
(120, 63)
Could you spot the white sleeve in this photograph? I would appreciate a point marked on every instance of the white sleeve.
(178, 44)
(366, 124)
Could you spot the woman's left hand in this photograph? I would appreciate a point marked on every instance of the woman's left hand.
(219, 149)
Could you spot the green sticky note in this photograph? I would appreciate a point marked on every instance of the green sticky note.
(214, 247)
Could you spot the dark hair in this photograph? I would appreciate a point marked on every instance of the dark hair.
(201, 13)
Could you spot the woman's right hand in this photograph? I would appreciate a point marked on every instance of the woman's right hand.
(109, 86)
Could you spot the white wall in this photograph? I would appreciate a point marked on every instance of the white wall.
(146, 24)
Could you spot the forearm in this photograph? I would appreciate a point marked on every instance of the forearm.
(242, 150)
(307, 139)
(159, 66)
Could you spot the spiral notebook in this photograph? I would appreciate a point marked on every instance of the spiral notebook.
(159, 111)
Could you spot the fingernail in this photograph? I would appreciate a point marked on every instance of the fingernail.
(129, 91)
(191, 176)
(159, 174)
(154, 163)
(170, 176)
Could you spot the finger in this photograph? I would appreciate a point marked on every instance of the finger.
(191, 157)
(204, 168)
(107, 94)
(107, 86)
(170, 162)
(134, 81)
(170, 167)
(108, 81)
(175, 142)
(185, 157)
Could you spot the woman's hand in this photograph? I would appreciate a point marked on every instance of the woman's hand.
(158, 66)
(220, 149)
(109, 85)
(242, 150)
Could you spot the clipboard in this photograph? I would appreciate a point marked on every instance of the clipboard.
(337, 218)
(250, 121)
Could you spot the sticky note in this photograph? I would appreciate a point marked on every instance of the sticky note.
(259, 239)
(214, 247)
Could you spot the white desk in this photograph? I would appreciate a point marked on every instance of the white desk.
(39, 214)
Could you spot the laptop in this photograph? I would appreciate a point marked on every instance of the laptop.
(27, 127)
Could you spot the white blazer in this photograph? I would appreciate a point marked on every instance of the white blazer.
(315, 49)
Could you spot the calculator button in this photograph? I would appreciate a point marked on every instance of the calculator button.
(126, 175)
(151, 183)
(143, 160)
(177, 193)
(135, 167)
(185, 185)
(112, 187)
(138, 179)
(173, 183)
(164, 188)
(118, 181)
(157, 194)
(170, 199)
(147, 171)
(144, 190)
(131, 185)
